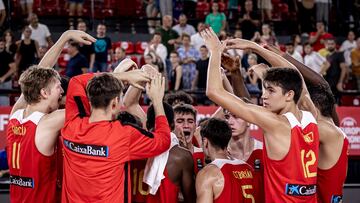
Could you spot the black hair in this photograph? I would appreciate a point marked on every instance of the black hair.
(217, 131)
(323, 98)
(185, 109)
(287, 79)
(178, 97)
(169, 113)
(64, 83)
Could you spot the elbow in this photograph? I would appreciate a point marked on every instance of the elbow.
(211, 92)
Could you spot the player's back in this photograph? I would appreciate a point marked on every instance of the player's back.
(256, 160)
(330, 189)
(238, 181)
(296, 173)
(32, 174)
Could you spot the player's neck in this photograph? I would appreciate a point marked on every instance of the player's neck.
(100, 115)
(219, 154)
(293, 108)
(31, 108)
(241, 147)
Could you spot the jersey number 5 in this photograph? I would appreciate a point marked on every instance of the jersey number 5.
(16, 155)
(306, 164)
(247, 195)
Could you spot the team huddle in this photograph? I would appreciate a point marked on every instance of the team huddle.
(88, 141)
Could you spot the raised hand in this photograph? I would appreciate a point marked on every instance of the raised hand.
(239, 44)
(135, 78)
(259, 70)
(156, 89)
(125, 65)
(212, 41)
(150, 70)
(230, 63)
(79, 36)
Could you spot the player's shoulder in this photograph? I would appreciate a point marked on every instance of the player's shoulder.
(210, 170)
(180, 154)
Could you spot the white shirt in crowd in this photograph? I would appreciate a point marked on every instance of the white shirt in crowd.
(314, 61)
(296, 55)
(160, 50)
(197, 41)
(39, 34)
(188, 29)
(2, 6)
(346, 47)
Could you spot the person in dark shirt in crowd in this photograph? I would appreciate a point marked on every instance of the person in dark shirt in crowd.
(7, 69)
(102, 48)
(28, 51)
(168, 35)
(119, 55)
(77, 64)
(249, 21)
(201, 69)
(86, 50)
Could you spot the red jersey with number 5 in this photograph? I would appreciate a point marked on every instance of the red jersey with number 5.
(32, 175)
(238, 181)
(293, 178)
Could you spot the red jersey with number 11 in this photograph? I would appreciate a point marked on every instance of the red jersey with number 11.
(293, 178)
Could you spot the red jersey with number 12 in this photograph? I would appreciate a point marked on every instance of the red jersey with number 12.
(32, 175)
(293, 178)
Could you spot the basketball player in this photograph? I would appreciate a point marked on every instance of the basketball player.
(291, 148)
(34, 128)
(224, 179)
(333, 158)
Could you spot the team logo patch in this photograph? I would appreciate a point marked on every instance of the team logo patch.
(22, 181)
(199, 164)
(309, 138)
(300, 190)
(336, 199)
(86, 149)
(257, 164)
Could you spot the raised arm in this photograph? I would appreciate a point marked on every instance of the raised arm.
(51, 56)
(216, 92)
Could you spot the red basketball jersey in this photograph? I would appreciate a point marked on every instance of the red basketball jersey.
(330, 189)
(238, 181)
(32, 175)
(199, 159)
(139, 189)
(255, 160)
(59, 166)
(167, 193)
(293, 179)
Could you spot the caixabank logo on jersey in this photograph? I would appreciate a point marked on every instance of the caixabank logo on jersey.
(87, 149)
(336, 199)
(300, 190)
(22, 181)
(351, 128)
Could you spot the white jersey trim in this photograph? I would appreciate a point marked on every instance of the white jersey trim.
(197, 149)
(221, 162)
(34, 117)
(257, 144)
(306, 119)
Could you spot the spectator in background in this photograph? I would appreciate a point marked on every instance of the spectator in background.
(77, 64)
(249, 20)
(322, 10)
(297, 43)
(190, 8)
(233, 8)
(119, 56)
(215, 19)
(183, 27)
(290, 49)
(314, 60)
(27, 8)
(347, 46)
(152, 12)
(317, 39)
(156, 46)
(40, 32)
(201, 69)
(86, 50)
(28, 51)
(175, 81)
(166, 7)
(337, 71)
(155, 61)
(188, 56)
(102, 48)
(196, 40)
(355, 62)
(10, 44)
(268, 36)
(75, 9)
(2, 13)
(42, 52)
(168, 35)
(7, 70)
(252, 81)
(265, 7)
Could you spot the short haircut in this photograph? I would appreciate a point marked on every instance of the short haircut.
(183, 35)
(217, 131)
(157, 33)
(185, 109)
(178, 97)
(74, 44)
(307, 43)
(203, 47)
(64, 83)
(34, 79)
(253, 56)
(287, 79)
(102, 88)
(175, 52)
(322, 98)
(169, 113)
